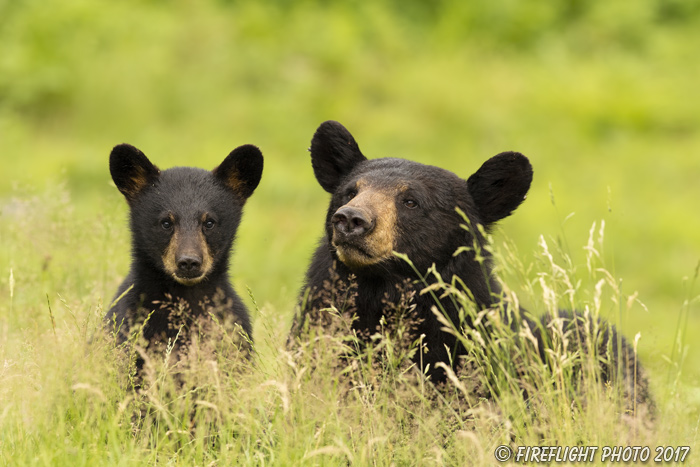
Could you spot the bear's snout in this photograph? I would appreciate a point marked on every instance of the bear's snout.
(189, 265)
(352, 222)
(188, 258)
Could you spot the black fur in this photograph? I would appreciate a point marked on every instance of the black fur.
(343, 153)
(202, 207)
(499, 186)
(429, 233)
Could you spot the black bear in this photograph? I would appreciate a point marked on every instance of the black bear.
(388, 205)
(183, 224)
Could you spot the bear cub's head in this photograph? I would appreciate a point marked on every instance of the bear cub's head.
(184, 220)
(383, 205)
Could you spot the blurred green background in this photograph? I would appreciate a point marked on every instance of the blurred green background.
(601, 96)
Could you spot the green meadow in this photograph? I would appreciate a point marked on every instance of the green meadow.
(602, 97)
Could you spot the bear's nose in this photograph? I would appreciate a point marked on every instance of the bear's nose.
(351, 221)
(188, 264)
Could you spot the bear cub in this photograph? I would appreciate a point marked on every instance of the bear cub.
(183, 224)
(387, 205)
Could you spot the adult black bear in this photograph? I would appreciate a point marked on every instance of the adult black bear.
(183, 224)
(382, 206)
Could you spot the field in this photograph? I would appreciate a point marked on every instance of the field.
(602, 97)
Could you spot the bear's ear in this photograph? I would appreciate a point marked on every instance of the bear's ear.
(131, 170)
(500, 185)
(241, 170)
(334, 153)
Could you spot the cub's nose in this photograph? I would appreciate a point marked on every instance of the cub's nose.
(189, 264)
(349, 221)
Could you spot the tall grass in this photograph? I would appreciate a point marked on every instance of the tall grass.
(67, 399)
(596, 94)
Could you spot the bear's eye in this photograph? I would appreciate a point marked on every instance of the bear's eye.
(410, 203)
(351, 194)
(209, 224)
(166, 224)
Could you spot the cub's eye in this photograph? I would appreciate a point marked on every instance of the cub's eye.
(166, 224)
(209, 224)
(351, 194)
(410, 203)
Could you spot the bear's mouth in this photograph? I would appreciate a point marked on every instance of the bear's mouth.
(353, 255)
(189, 279)
(349, 247)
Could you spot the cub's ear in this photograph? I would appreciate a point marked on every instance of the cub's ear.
(131, 170)
(334, 153)
(500, 185)
(241, 170)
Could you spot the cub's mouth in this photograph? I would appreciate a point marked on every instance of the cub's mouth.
(188, 279)
(187, 269)
(187, 258)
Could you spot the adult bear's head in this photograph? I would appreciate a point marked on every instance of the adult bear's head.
(384, 205)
